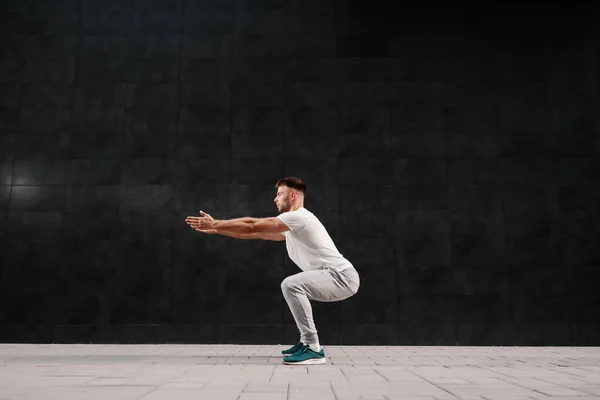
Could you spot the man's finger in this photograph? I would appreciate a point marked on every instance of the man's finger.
(193, 218)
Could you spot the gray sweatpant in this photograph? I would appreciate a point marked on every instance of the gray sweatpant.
(324, 285)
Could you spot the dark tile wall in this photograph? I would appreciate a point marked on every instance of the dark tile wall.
(452, 153)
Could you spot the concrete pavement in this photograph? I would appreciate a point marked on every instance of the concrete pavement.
(245, 372)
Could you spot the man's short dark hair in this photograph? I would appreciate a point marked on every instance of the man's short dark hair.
(293, 183)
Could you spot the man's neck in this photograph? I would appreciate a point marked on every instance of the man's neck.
(296, 206)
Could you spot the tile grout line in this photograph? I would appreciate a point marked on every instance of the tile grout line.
(380, 374)
(333, 390)
(272, 373)
(243, 390)
(431, 383)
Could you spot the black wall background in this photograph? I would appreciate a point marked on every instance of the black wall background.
(451, 152)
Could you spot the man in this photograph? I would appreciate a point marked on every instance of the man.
(327, 276)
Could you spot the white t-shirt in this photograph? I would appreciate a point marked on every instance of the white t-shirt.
(308, 244)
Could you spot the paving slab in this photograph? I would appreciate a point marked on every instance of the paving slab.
(256, 372)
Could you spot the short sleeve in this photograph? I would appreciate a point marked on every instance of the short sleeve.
(293, 220)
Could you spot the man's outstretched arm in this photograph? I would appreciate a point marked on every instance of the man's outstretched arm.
(240, 228)
(264, 236)
(248, 225)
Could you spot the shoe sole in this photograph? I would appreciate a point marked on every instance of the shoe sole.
(310, 361)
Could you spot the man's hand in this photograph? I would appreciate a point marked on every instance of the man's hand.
(202, 224)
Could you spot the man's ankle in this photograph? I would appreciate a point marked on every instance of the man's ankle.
(315, 347)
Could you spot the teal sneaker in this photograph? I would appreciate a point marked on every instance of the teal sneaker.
(306, 356)
(293, 349)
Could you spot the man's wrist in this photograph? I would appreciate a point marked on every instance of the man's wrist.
(224, 225)
(217, 223)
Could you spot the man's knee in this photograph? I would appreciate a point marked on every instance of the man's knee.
(288, 285)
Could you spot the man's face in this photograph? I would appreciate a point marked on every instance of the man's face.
(282, 199)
